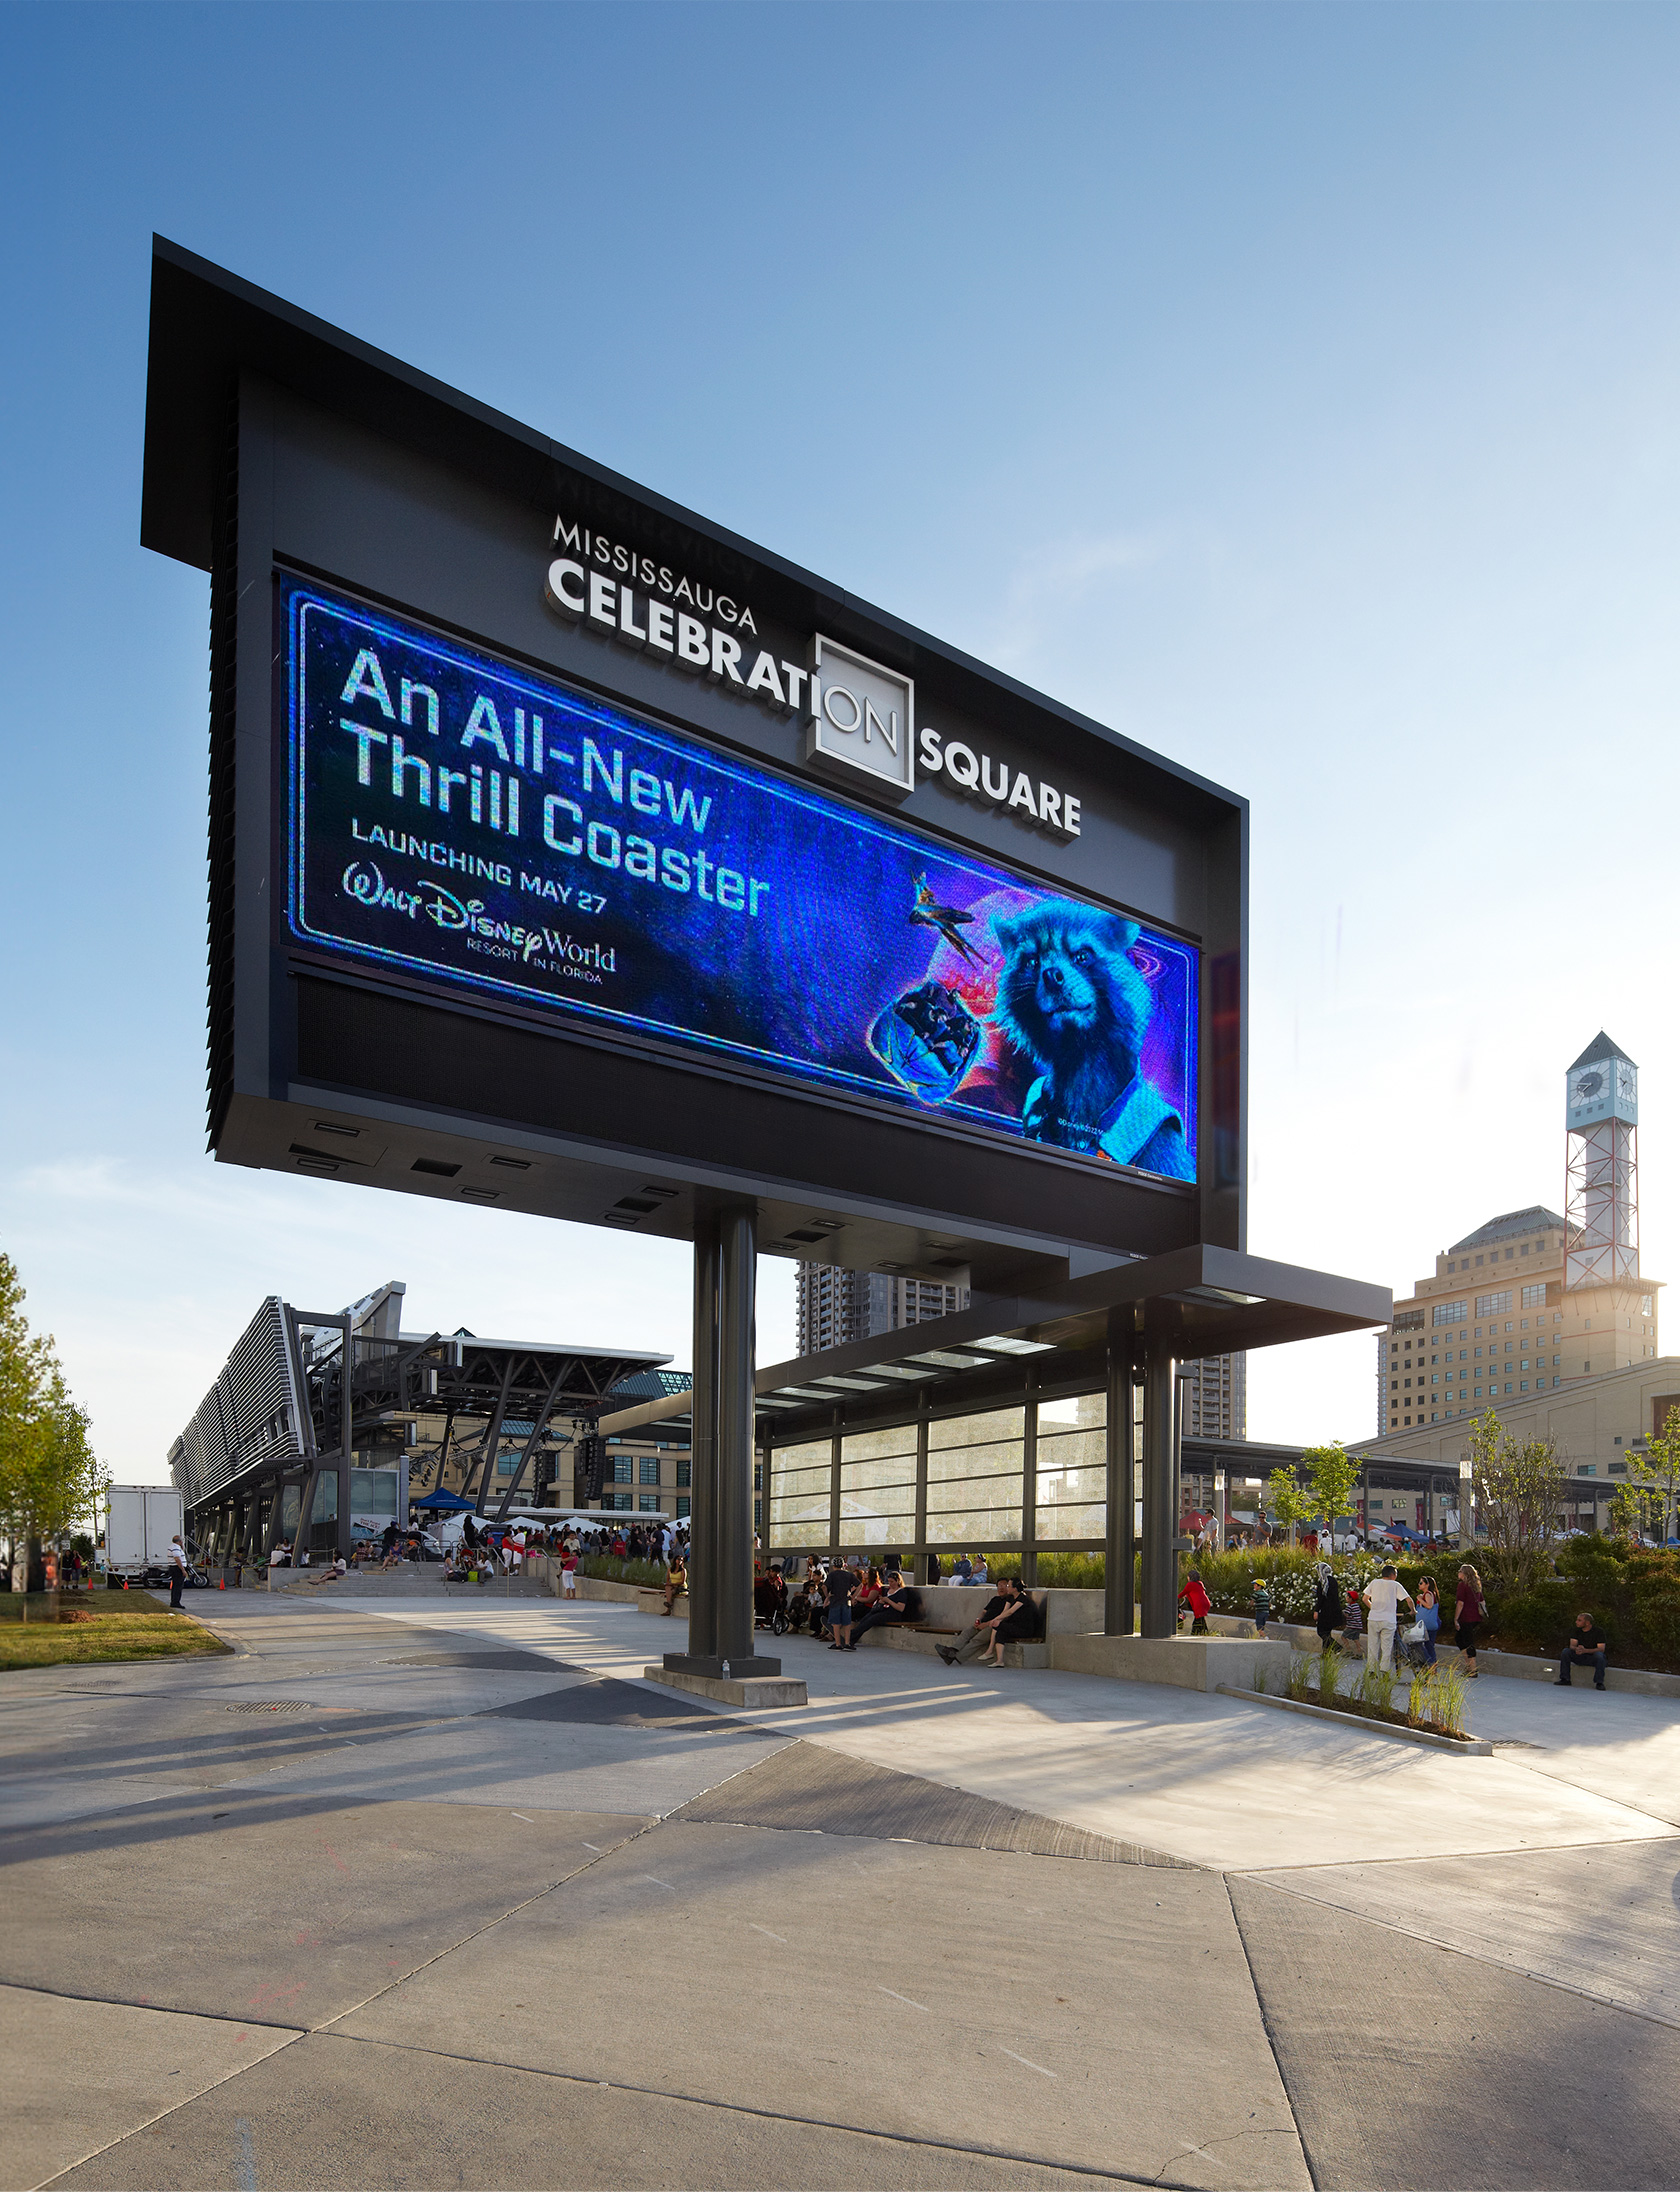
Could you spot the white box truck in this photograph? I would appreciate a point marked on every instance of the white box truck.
(140, 1520)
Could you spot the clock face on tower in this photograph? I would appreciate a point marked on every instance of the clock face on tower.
(1603, 1088)
(1627, 1090)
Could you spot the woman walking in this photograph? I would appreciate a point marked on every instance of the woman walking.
(1327, 1605)
(1429, 1613)
(1472, 1612)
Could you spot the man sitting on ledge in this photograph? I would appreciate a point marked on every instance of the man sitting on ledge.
(978, 1635)
(1588, 1642)
(898, 1603)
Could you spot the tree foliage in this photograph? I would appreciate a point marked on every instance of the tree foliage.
(49, 1475)
(1520, 1487)
(1646, 1503)
(1286, 1503)
(1332, 1477)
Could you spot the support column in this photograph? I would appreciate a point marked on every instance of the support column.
(702, 1489)
(1160, 1491)
(1119, 1606)
(737, 1349)
(720, 1570)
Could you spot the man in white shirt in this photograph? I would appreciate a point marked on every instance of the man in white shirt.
(1383, 1595)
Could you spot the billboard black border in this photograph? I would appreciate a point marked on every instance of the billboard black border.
(217, 344)
(323, 962)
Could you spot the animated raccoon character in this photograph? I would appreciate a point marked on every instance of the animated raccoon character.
(1072, 1000)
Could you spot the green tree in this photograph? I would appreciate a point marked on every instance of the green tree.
(1519, 1487)
(1332, 1477)
(49, 1475)
(1653, 1484)
(1286, 1502)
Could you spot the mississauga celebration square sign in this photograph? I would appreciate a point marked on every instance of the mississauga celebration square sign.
(472, 823)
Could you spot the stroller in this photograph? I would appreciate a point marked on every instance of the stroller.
(770, 1603)
(1411, 1649)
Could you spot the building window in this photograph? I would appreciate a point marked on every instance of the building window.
(682, 1510)
(647, 1471)
(621, 1469)
(685, 1471)
(1534, 1297)
(648, 1502)
(1450, 1312)
(1493, 1305)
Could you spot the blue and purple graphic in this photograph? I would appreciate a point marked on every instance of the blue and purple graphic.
(474, 824)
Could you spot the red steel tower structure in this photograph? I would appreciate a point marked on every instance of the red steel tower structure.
(1601, 1195)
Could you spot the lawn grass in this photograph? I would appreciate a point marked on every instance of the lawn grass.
(137, 1626)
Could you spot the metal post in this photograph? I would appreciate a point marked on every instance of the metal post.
(346, 1442)
(1160, 1518)
(1119, 1609)
(492, 1440)
(720, 1574)
(537, 1429)
(737, 1347)
(702, 1458)
(1029, 1485)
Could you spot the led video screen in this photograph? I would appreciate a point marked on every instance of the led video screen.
(475, 824)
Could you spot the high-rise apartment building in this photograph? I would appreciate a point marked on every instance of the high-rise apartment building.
(836, 1306)
(1532, 1300)
(1216, 1397)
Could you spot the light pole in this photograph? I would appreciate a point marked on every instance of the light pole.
(1466, 1525)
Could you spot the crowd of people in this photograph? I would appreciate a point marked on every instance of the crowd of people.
(1364, 1621)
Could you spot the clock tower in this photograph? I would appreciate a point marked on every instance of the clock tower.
(1601, 1201)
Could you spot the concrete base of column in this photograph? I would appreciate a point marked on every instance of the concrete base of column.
(710, 1664)
(756, 1694)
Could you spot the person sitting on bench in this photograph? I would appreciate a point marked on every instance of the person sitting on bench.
(899, 1602)
(1587, 1642)
(977, 1637)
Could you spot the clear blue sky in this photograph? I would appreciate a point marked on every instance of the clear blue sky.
(1292, 387)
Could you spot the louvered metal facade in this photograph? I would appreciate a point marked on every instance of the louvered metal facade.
(254, 1414)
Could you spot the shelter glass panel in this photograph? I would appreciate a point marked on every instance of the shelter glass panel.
(995, 1491)
(878, 1518)
(860, 1476)
(869, 1445)
(1003, 1459)
(976, 1526)
(1072, 1519)
(998, 1423)
(808, 1454)
(1072, 1412)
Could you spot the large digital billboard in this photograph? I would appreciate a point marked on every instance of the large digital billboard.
(472, 823)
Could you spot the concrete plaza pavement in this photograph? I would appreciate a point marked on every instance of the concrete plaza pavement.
(421, 1893)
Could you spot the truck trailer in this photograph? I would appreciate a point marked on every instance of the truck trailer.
(140, 1520)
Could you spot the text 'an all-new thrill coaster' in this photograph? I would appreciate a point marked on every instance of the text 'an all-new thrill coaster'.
(467, 821)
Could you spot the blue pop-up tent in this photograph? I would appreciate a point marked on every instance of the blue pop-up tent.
(441, 1503)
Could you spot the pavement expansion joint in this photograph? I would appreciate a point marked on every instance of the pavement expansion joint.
(850, 2126)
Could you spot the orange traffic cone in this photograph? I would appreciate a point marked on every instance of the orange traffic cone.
(221, 1583)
